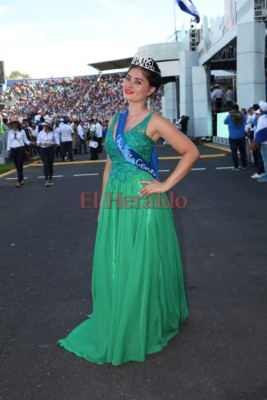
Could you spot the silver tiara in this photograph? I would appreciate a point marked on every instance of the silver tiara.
(144, 62)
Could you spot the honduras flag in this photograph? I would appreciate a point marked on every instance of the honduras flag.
(188, 7)
(261, 132)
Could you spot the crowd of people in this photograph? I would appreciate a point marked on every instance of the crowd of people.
(248, 135)
(222, 99)
(48, 138)
(83, 105)
(83, 97)
(76, 111)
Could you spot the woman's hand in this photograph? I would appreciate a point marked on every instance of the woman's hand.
(152, 187)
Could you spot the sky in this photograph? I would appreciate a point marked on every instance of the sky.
(59, 38)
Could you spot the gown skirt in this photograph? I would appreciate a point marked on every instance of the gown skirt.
(138, 291)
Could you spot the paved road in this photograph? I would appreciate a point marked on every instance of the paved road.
(47, 242)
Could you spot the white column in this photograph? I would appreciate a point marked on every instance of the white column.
(250, 63)
(201, 102)
(169, 105)
(188, 59)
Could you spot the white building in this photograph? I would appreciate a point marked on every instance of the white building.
(234, 42)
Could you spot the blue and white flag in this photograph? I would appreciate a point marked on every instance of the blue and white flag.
(188, 7)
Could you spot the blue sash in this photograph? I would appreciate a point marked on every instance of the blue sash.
(130, 155)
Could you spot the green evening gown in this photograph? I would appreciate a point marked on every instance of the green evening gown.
(137, 283)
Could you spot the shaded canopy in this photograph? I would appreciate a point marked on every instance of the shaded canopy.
(110, 65)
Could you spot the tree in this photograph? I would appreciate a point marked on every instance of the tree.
(18, 75)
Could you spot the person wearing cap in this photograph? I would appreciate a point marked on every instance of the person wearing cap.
(261, 137)
(16, 142)
(236, 128)
(47, 140)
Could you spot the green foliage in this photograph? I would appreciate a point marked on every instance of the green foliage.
(18, 75)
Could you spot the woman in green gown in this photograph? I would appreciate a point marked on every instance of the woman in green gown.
(137, 284)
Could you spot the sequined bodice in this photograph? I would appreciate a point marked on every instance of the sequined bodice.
(137, 140)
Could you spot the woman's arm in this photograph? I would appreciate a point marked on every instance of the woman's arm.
(160, 127)
(39, 138)
(24, 138)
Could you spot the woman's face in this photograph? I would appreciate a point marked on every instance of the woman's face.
(46, 129)
(14, 126)
(136, 86)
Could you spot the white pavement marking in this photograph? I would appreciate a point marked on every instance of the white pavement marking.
(54, 176)
(224, 167)
(198, 169)
(11, 179)
(86, 174)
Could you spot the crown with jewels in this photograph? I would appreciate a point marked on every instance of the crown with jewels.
(144, 61)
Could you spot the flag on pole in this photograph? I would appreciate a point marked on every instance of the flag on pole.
(188, 7)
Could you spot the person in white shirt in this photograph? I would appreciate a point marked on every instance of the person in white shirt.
(228, 98)
(217, 97)
(81, 138)
(257, 158)
(261, 137)
(99, 135)
(16, 142)
(66, 132)
(47, 140)
(93, 138)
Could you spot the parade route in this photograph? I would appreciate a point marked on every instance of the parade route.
(47, 242)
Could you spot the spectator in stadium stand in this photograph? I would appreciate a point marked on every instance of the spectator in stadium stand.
(16, 142)
(99, 135)
(47, 140)
(37, 99)
(81, 138)
(66, 132)
(236, 127)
